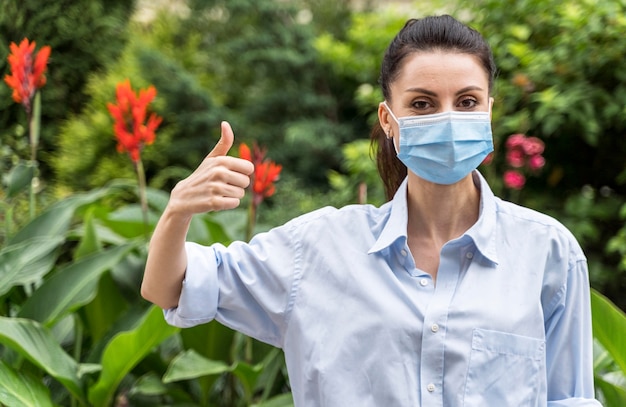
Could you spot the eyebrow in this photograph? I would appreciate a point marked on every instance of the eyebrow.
(431, 93)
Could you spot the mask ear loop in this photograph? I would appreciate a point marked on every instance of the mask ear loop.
(389, 133)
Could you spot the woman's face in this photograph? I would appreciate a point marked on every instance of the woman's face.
(435, 82)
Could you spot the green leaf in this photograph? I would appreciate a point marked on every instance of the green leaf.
(19, 389)
(90, 243)
(190, 365)
(282, 400)
(211, 340)
(248, 375)
(614, 394)
(36, 344)
(126, 350)
(148, 385)
(104, 310)
(55, 221)
(609, 327)
(27, 261)
(19, 178)
(70, 287)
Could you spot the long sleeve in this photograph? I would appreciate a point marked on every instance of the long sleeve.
(245, 286)
(569, 341)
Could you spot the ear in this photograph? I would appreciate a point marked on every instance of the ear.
(383, 117)
(491, 100)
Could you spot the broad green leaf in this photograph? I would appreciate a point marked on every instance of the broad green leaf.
(36, 344)
(71, 286)
(211, 340)
(89, 243)
(19, 178)
(132, 316)
(609, 327)
(55, 221)
(18, 389)
(273, 363)
(614, 394)
(157, 198)
(104, 310)
(126, 350)
(148, 385)
(27, 261)
(128, 221)
(248, 375)
(190, 365)
(282, 400)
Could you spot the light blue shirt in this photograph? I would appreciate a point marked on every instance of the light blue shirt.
(507, 323)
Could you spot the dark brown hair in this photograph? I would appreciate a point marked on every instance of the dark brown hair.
(419, 35)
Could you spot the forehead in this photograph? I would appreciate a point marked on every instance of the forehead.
(440, 70)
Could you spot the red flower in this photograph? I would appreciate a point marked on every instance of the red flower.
(130, 127)
(266, 172)
(27, 71)
(244, 152)
(514, 179)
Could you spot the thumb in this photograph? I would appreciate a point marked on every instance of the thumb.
(225, 142)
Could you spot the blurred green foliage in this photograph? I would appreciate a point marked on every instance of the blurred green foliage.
(251, 63)
(85, 36)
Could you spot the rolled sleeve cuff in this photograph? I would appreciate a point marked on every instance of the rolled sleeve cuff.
(575, 402)
(200, 291)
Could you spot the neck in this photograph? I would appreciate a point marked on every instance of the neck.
(440, 213)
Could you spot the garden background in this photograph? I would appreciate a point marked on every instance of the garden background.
(299, 78)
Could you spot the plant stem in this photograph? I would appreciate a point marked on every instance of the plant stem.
(34, 124)
(251, 220)
(141, 177)
(8, 221)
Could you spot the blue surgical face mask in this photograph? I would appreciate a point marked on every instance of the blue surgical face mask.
(444, 148)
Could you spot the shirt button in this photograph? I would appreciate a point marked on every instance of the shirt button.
(469, 255)
(430, 387)
(434, 328)
(403, 253)
(424, 282)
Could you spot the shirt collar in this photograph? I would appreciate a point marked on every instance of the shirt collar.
(482, 233)
(395, 228)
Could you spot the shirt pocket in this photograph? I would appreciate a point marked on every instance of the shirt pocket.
(504, 370)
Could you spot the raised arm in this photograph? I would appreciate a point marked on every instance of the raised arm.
(218, 183)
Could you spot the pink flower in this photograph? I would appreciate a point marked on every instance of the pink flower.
(533, 146)
(515, 140)
(514, 179)
(536, 162)
(515, 158)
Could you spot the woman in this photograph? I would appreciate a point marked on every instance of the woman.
(443, 296)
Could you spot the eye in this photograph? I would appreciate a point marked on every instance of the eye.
(421, 104)
(468, 102)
